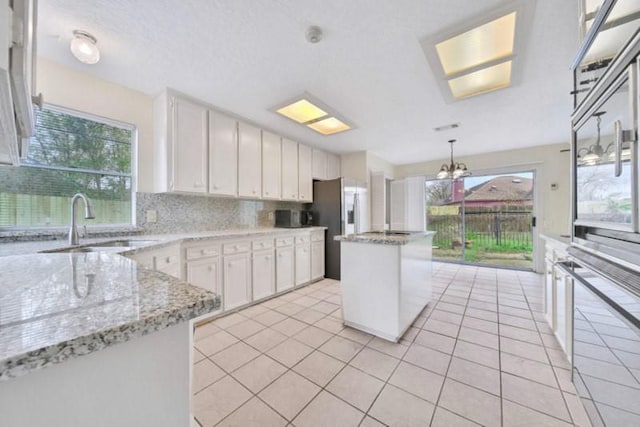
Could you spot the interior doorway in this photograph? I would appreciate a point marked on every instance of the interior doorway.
(485, 220)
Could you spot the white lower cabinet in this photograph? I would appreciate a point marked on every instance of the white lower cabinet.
(205, 273)
(165, 260)
(303, 263)
(285, 277)
(237, 280)
(264, 274)
(317, 260)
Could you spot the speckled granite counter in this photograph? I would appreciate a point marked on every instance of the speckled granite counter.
(57, 306)
(385, 238)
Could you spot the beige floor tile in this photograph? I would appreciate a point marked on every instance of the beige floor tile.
(319, 368)
(370, 422)
(312, 336)
(325, 307)
(444, 418)
(254, 413)
(480, 324)
(518, 312)
(577, 411)
(269, 317)
(435, 341)
(506, 319)
(482, 314)
(289, 326)
(197, 356)
(273, 303)
(355, 387)
(341, 348)
(228, 320)
(564, 380)
(520, 334)
(245, 329)
(205, 330)
(355, 335)
(475, 375)
(218, 400)
(396, 350)
(535, 396)
(330, 325)
(418, 381)
(549, 340)
(266, 339)
(471, 403)
(259, 373)
(234, 356)
(440, 327)
(452, 308)
(289, 394)
(306, 300)
(427, 358)
(375, 363)
(321, 294)
(515, 415)
(327, 410)
(530, 369)
(215, 343)
(523, 349)
(479, 337)
(558, 358)
(205, 373)
(309, 316)
(253, 311)
(337, 315)
(410, 335)
(290, 352)
(335, 299)
(476, 353)
(396, 407)
(289, 308)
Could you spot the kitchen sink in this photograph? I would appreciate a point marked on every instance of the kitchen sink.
(111, 246)
(124, 243)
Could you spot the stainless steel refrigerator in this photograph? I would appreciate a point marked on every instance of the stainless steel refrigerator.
(341, 206)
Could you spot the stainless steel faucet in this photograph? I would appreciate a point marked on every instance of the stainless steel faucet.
(88, 214)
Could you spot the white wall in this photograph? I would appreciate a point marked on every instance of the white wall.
(73, 89)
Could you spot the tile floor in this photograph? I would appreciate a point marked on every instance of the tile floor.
(480, 354)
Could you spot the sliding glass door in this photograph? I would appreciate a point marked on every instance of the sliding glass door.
(483, 219)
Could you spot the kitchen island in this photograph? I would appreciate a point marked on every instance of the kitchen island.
(95, 339)
(385, 280)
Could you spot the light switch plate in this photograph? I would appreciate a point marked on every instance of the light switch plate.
(152, 216)
(554, 186)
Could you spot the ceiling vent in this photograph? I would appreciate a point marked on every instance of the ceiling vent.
(447, 127)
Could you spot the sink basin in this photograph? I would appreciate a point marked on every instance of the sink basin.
(86, 249)
(124, 243)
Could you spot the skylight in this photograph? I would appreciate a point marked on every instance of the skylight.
(311, 112)
(479, 56)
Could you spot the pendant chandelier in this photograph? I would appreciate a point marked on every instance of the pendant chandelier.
(453, 170)
(595, 153)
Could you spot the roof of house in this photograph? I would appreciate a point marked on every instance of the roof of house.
(503, 188)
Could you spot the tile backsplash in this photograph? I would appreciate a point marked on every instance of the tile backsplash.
(185, 213)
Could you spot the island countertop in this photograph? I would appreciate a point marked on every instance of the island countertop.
(57, 306)
(385, 237)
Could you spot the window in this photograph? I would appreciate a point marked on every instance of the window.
(70, 153)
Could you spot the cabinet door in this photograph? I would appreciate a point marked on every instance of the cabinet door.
(223, 155)
(303, 264)
(249, 161)
(317, 260)
(549, 294)
(289, 170)
(237, 280)
(561, 307)
(189, 142)
(333, 166)
(205, 273)
(271, 166)
(398, 202)
(319, 167)
(305, 180)
(264, 274)
(285, 278)
(378, 201)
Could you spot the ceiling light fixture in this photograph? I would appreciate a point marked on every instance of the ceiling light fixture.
(595, 154)
(84, 47)
(314, 34)
(313, 113)
(453, 170)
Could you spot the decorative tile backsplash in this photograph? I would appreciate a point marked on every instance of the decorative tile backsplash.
(185, 213)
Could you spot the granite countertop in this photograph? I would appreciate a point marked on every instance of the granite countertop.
(385, 238)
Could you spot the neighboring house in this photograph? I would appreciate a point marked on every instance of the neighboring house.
(500, 191)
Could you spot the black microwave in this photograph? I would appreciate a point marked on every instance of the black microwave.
(288, 218)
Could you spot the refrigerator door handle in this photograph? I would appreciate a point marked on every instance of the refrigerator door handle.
(356, 214)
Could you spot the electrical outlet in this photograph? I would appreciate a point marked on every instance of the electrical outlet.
(270, 216)
(554, 186)
(152, 216)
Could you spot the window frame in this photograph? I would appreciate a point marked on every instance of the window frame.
(133, 175)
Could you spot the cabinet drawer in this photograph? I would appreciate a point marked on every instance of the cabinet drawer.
(317, 236)
(303, 239)
(284, 241)
(202, 252)
(235, 248)
(166, 262)
(262, 244)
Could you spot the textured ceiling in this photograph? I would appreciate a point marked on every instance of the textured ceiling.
(246, 56)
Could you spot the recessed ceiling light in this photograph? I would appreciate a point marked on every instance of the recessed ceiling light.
(84, 47)
(480, 55)
(309, 111)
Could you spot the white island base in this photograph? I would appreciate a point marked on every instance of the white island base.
(385, 283)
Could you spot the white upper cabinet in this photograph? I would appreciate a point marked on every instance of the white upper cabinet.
(249, 161)
(305, 180)
(289, 170)
(271, 166)
(378, 201)
(319, 169)
(223, 155)
(333, 166)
